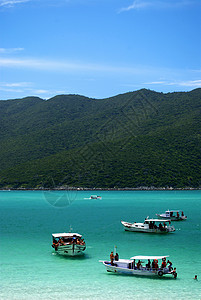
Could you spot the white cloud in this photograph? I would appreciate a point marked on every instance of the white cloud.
(15, 84)
(190, 83)
(66, 66)
(186, 83)
(11, 2)
(136, 5)
(28, 88)
(140, 4)
(16, 87)
(10, 50)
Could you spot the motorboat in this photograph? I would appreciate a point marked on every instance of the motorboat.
(69, 244)
(150, 226)
(95, 197)
(141, 265)
(173, 215)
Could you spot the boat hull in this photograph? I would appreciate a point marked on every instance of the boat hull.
(181, 218)
(134, 272)
(146, 230)
(70, 250)
(141, 227)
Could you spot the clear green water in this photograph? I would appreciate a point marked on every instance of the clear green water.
(31, 270)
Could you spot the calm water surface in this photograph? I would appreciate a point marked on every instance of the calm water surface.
(31, 270)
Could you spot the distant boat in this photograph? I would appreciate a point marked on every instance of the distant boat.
(95, 197)
(149, 226)
(69, 244)
(136, 266)
(173, 215)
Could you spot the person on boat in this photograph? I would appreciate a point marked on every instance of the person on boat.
(164, 264)
(112, 258)
(155, 264)
(62, 241)
(55, 244)
(82, 242)
(116, 257)
(139, 264)
(160, 226)
(148, 265)
(151, 225)
(177, 214)
(182, 213)
(170, 265)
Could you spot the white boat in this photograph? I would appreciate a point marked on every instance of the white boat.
(136, 265)
(69, 244)
(173, 215)
(150, 226)
(95, 197)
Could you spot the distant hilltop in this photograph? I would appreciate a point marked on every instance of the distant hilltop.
(132, 140)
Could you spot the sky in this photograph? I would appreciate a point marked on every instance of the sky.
(98, 48)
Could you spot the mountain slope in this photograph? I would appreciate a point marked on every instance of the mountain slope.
(140, 138)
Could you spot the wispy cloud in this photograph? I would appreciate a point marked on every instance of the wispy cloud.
(66, 66)
(189, 83)
(15, 87)
(158, 4)
(186, 83)
(137, 4)
(10, 50)
(28, 88)
(14, 84)
(9, 3)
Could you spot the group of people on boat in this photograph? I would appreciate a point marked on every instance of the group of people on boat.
(113, 257)
(161, 227)
(177, 214)
(68, 241)
(154, 264)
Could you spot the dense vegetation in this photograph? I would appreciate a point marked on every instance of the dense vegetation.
(136, 139)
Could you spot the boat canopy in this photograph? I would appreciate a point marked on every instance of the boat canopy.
(122, 260)
(157, 220)
(174, 210)
(148, 257)
(64, 234)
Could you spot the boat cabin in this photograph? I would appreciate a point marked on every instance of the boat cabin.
(67, 238)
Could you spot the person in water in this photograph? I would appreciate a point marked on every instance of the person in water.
(174, 273)
(196, 277)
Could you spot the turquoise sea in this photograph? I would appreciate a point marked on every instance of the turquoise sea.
(30, 269)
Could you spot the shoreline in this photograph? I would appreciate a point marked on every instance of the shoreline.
(102, 189)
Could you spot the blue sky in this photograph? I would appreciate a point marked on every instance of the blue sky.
(98, 48)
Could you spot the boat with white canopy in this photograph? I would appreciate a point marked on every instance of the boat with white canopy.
(150, 226)
(142, 266)
(69, 244)
(173, 215)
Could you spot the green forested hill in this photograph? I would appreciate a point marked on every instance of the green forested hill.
(141, 138)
